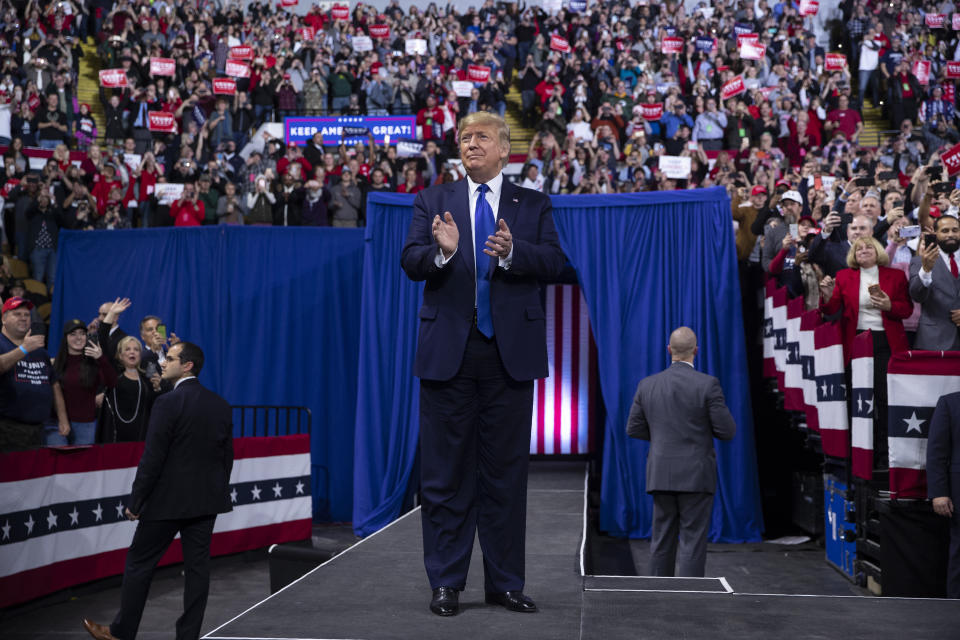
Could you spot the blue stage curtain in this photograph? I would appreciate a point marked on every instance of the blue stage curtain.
(276, 311)
(388, 402)
(648, 263)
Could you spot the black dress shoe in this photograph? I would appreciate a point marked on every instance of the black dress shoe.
(513, 600)
(445, 601)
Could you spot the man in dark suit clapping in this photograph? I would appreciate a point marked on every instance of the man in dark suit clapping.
(182, 483)
(680, 411)
(482, 245)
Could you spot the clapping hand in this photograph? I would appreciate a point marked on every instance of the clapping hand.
(500, 244)
(446, 233)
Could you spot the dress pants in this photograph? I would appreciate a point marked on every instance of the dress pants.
(474, 456)
(150, 542)
(684, 517)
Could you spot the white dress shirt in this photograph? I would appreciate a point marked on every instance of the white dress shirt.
(493, 199)
(183, 380)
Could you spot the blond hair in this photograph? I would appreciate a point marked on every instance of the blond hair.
(124, 342)
(487, 119)
(882, 258)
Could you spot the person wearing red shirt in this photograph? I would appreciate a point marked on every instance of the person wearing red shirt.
(187, 211)
(101, 189)
(844, 119)
(411, 183)
(430, 120)
(294, 155)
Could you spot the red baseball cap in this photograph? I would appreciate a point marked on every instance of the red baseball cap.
(757, 190)
(783, 183)
(934, 213)
(16, 302)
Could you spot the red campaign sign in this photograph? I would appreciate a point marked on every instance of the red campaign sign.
(477, 73)
(835, 62)
(652, 111)
(237, 69)
(306, 33)
(732, 88)
(935, 20)
(340, 12)
(671, 44)
(753, 51)
(955, 21)
(162, 67)
(288, 3)
(113, 78)
(162, 121)
(379, 31)
(921, 69)
(244, 52)
(747, 37)
(224, 86)
(559, 43)
(809, 7)
(951, 159)
(953, 70)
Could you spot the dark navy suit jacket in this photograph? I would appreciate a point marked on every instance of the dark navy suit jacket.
(185, 468)
(449, 297)
(943, 449)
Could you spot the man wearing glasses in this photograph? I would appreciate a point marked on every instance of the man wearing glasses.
(182, 483)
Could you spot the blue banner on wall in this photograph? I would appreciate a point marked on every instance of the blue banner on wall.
(301, 129)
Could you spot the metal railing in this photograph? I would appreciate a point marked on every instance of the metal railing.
(271, 420)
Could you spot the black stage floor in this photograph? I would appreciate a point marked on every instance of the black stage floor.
(378, 589)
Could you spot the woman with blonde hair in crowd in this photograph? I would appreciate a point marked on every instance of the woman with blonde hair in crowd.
(126, 406)
(871, 296)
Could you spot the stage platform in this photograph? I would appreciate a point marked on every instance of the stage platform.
(377, 589)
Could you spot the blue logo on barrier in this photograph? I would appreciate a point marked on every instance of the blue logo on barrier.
(301, 129)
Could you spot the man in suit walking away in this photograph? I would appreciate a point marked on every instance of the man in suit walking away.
(680, 411)
(182, 483)
(482, 245)
(943, 477)
(935, 284)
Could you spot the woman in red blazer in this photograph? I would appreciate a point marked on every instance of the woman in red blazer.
(875, 297)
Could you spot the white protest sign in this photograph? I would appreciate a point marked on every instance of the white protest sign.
(677, 167)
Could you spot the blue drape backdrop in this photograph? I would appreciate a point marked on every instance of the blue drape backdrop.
(647, 264)
(276, 311)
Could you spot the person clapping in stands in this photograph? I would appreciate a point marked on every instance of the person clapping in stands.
(188, 211)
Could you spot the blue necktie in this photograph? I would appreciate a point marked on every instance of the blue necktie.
(483, 223)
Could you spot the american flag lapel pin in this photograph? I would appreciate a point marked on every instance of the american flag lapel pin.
(516, 200)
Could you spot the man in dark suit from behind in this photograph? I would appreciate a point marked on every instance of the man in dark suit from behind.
(182, 483)
(680, 411)
(935, 284)
(481, 343)
(943, 477)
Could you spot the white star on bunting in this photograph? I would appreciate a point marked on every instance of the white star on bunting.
(51, 520)
(299, 487)
(913, 423)
(233, 495)
(30, 522)
(120, 511)
(74, 516)
(277, 490)
(98, 512)
(256, 492)
(6, 529)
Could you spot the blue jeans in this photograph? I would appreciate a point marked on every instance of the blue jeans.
(340, 103)
(80, 433)
(43, 263)
(49, 144)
